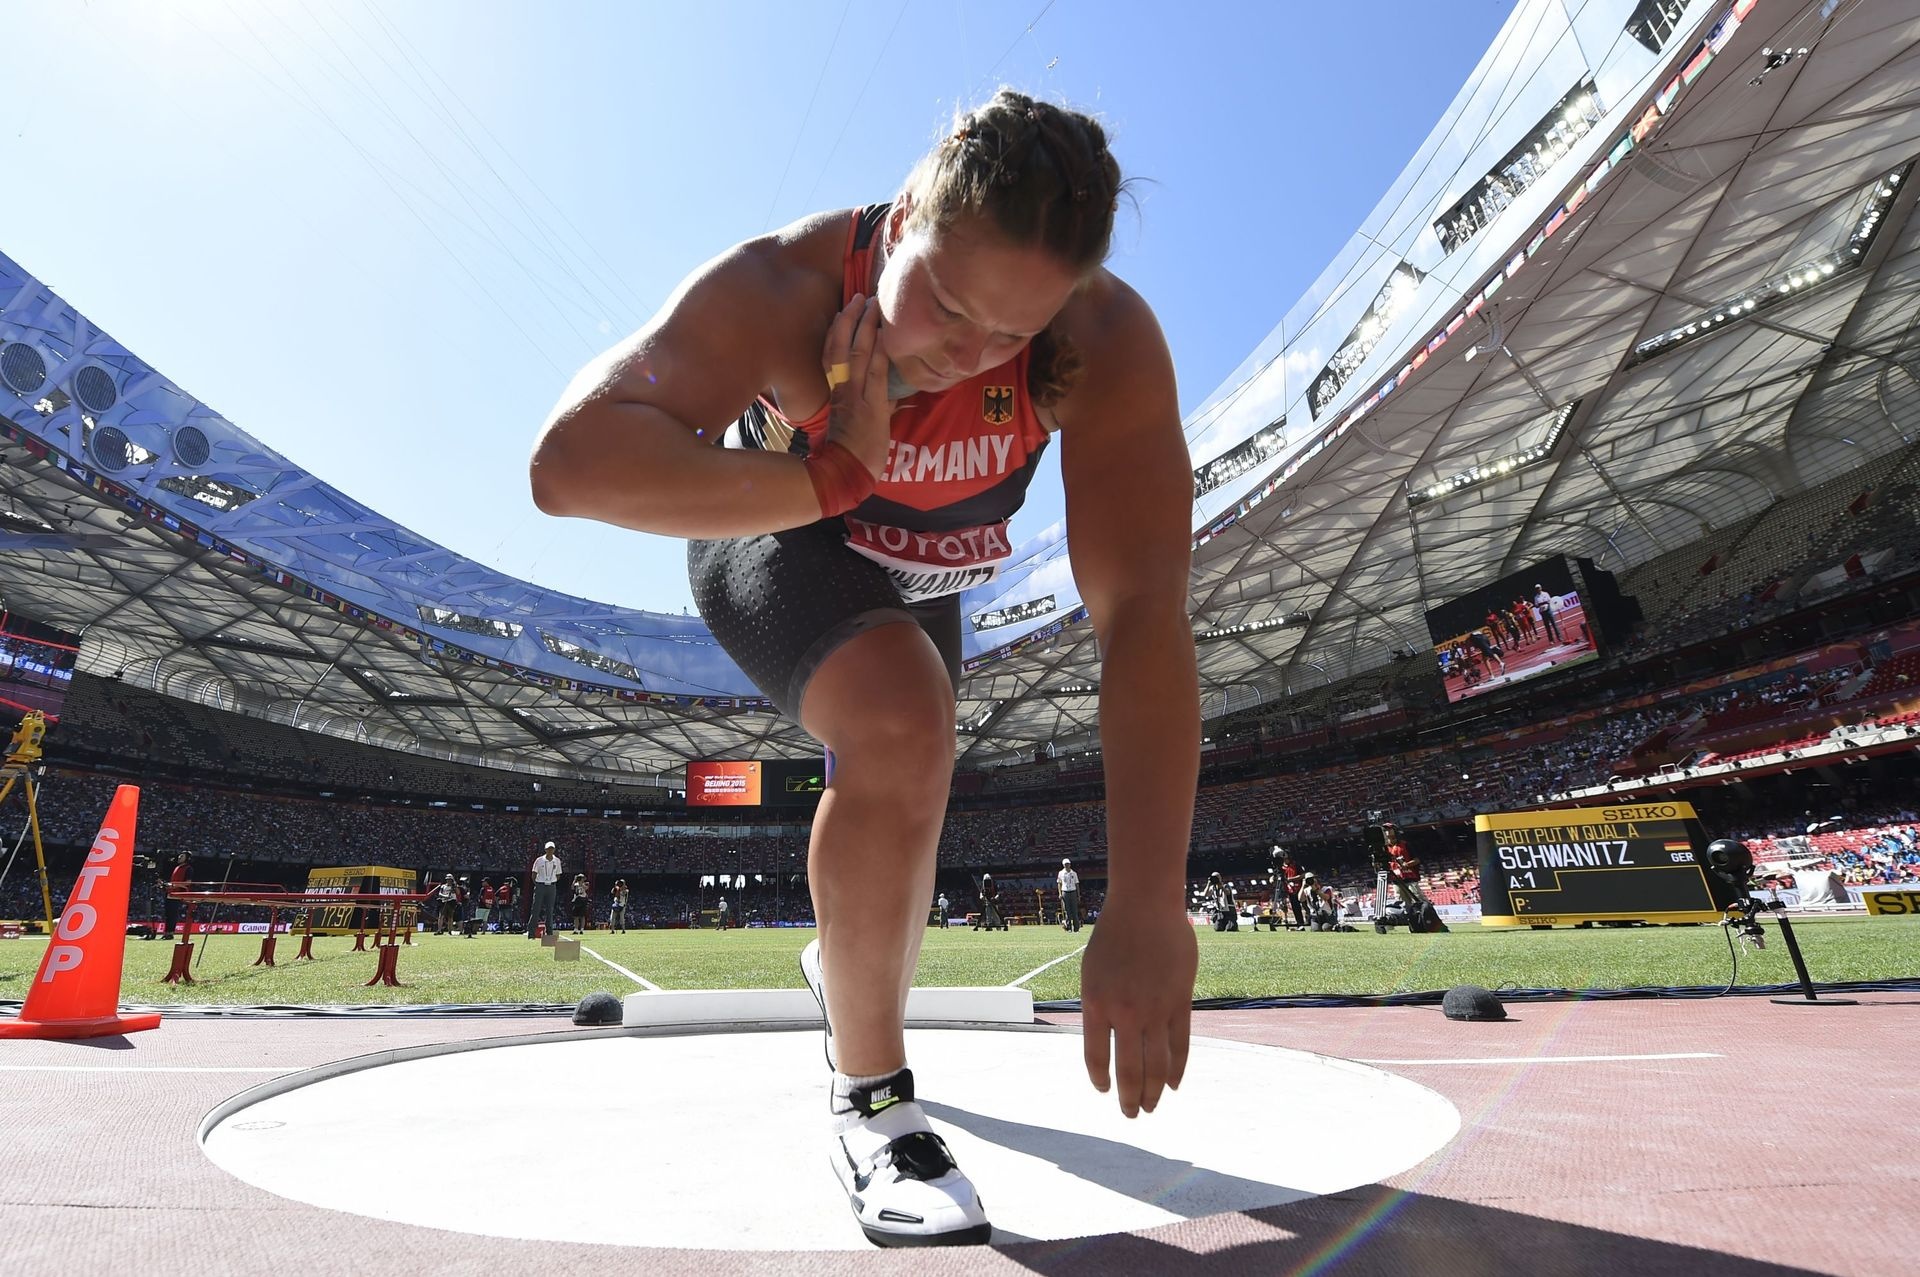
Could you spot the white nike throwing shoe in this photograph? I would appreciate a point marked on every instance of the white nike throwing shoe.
(900, 1178)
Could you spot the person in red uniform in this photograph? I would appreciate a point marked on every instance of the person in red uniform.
(503, 899)
(1403, 867)
(1290, 875)
(176, 881)
(841, 417)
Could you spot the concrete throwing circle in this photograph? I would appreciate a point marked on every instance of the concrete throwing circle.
(718, 1140)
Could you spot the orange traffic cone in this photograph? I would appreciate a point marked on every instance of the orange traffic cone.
(77, 991)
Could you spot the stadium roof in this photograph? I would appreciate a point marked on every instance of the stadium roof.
(1648, 274)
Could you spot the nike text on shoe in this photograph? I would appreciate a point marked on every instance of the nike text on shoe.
(900, 1178)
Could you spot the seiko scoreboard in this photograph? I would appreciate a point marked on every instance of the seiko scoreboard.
(1632, 862)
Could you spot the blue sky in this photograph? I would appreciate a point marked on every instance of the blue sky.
(380, 237)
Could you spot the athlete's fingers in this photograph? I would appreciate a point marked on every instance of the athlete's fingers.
(865, 338)
(878, 383)
(1178, 1038)
(1129, 1066)
(840, 335)
(1154, 1061)
(1094, 1032)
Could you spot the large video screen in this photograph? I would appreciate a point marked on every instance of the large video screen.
(723, 784)
(792, 783)
(774, 783)
(1529, 623)
(36, 667)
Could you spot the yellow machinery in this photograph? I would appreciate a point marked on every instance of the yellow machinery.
(22, 767)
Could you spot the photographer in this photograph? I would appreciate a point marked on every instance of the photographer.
(1403, 870)
(989, 917)
(1286, 884)
(445, 905)
(1323, 904)
(1219, 904)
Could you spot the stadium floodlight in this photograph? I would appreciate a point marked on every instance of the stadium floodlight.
(1499, 467)
(1013, 614)
(1795, 280)
(588, 657)
(447, 618)
(1253, 627)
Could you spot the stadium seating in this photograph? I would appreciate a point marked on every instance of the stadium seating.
(1300, 769)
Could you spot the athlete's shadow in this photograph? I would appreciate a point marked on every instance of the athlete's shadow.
(1178, 1187)
(1377, 1231)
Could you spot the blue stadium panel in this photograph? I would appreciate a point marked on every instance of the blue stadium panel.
(119, 426)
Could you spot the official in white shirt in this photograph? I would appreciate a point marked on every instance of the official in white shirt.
(1069, 896)
(546, 876)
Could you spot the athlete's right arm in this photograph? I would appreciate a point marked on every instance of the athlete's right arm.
(630, 441)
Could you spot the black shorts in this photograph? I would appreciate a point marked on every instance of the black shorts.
(779, 604)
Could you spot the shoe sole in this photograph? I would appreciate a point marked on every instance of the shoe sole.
(978, 1235)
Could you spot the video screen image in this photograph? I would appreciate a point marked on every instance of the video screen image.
(776, 782)
(1526, 624)
(36, 667)
(723, 784)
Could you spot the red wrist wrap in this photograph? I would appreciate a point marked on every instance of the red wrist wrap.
(840, 482)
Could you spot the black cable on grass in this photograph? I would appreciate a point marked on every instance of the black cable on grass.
(473, 1010)
(1432, 997)
(1424, 998)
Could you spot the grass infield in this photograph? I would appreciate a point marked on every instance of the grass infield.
(1244, 964)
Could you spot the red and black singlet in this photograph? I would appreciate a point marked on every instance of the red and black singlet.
(957, 468)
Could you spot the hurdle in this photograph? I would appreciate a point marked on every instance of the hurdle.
(392, 914)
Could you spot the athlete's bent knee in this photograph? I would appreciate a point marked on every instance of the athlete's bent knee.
(883, 702)
(907, 740)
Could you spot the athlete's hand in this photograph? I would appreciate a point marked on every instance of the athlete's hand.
(1136, 988)
(859, 411)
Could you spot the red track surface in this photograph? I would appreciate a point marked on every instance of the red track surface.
(1790, 1151)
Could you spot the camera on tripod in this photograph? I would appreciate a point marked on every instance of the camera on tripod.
(1731, 863)
(1730, 871)
(1376, 838)
(1392, 862)
(1743, 920)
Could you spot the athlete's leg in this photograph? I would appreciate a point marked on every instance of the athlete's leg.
(883, 703)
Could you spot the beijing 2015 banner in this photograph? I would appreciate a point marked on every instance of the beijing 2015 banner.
(723, 784)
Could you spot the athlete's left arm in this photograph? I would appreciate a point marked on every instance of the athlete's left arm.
(1129, 491)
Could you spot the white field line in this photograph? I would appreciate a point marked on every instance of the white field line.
(648, 985)
(1558, 1059)
(1045, 965)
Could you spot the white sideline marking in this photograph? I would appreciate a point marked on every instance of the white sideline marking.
(1558, 1059)
(1045, 965)
(140, 1068)
(645, 984)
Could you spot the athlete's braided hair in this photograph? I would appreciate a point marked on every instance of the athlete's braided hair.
(1041, 176)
